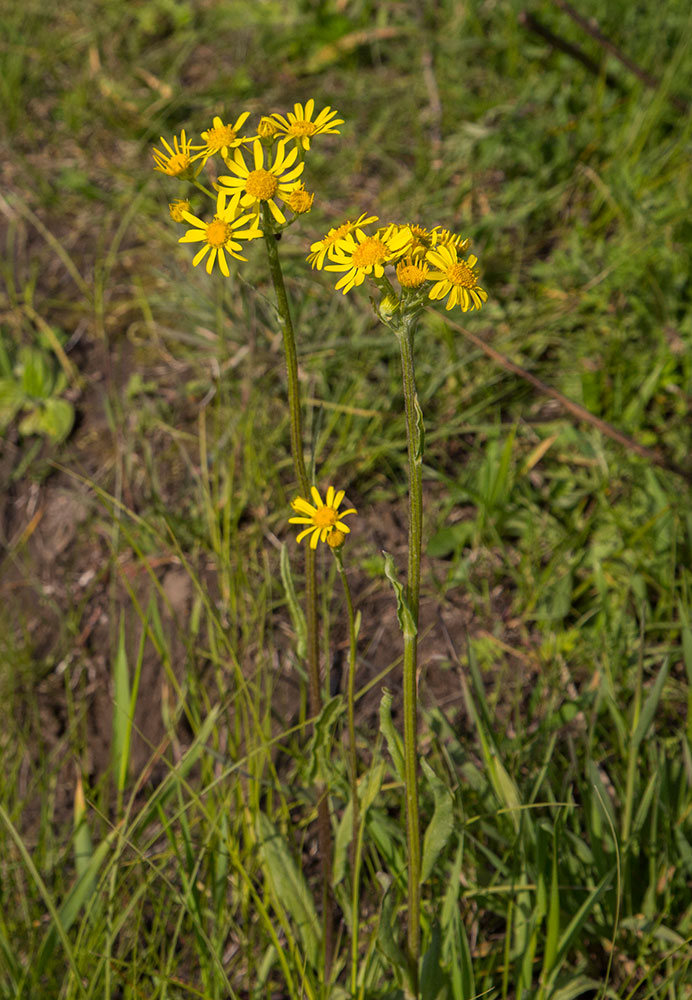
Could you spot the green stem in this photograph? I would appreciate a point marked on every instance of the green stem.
(414, 437)
(353, 769)
(324, 833)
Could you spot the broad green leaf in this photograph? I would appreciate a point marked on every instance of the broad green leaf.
(319, 763)
(432, 979)
(12, 398)
(37, 380)
(288, 887)
(440, 828)
(403, 612)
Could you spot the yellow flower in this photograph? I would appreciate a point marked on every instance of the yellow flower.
(411, 273)
(177, 161)
(445, 237)
(220, 138)
(267, 128)
(366, 255)
(456, 278)
(323, 519)
(220, 236)
(250, 188)
(334, 238)
(298, 123)
(177, 208)
(300, 201)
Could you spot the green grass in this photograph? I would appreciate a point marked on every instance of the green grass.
(556, 709)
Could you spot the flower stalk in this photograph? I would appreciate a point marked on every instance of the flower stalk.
(415, 445)
(324, 834)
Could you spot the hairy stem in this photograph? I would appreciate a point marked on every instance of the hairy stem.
(324, 833)
(414, 437)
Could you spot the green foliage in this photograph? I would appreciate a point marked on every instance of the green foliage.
(30, 389)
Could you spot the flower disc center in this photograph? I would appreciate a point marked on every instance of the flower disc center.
(261, 184)
(460, 274)
(178, 164)
(324, 517)
(302, 128)
(371, 251)
(218, 233)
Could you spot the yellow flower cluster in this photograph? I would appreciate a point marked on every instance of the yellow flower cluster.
(272, 179)
(425, 260)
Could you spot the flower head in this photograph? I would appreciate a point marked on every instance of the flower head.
(445, 237)
(326, 247)
(267, 128)
(456, 278)
(220, 138)
(411, 273)
(178, 208)
(322, 519)
(298, 124)
(300, 201)
(220, 236)
(177, 161)
(362, 255)
(250, 188)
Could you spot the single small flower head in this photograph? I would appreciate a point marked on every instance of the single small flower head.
(250, 188)
(411, 273)
(267, 128)
(335, 539)
(220, 236)
(456, 278)
(177, 160)
(221, 138)
(445, 237)
(322, 518)
(326, 247)
(298, 124)
(300, 201)
(361, 255)
(388, 306)
(178, 208)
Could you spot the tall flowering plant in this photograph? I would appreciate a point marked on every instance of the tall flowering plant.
(258, 193)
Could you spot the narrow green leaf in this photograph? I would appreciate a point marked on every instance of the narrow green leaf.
(650, 705)
(578, 920)
(121, 709)
(441, 825)
(294, 608)
(385, 937)
(83, 844)
(394, 744)
(553, 927)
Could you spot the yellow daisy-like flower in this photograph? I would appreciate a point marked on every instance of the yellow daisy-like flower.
(456, 278)
(220, 236)
(323, 519)
(411, 273)
(250, 188)
(300, 201)
(335, 237)
(177, 161)
(366, 255)
(178, 208)
(220, 137)
(445, 237)
(267, 128)
(298, 124)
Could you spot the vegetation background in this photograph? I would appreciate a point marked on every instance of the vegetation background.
(146, 470)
